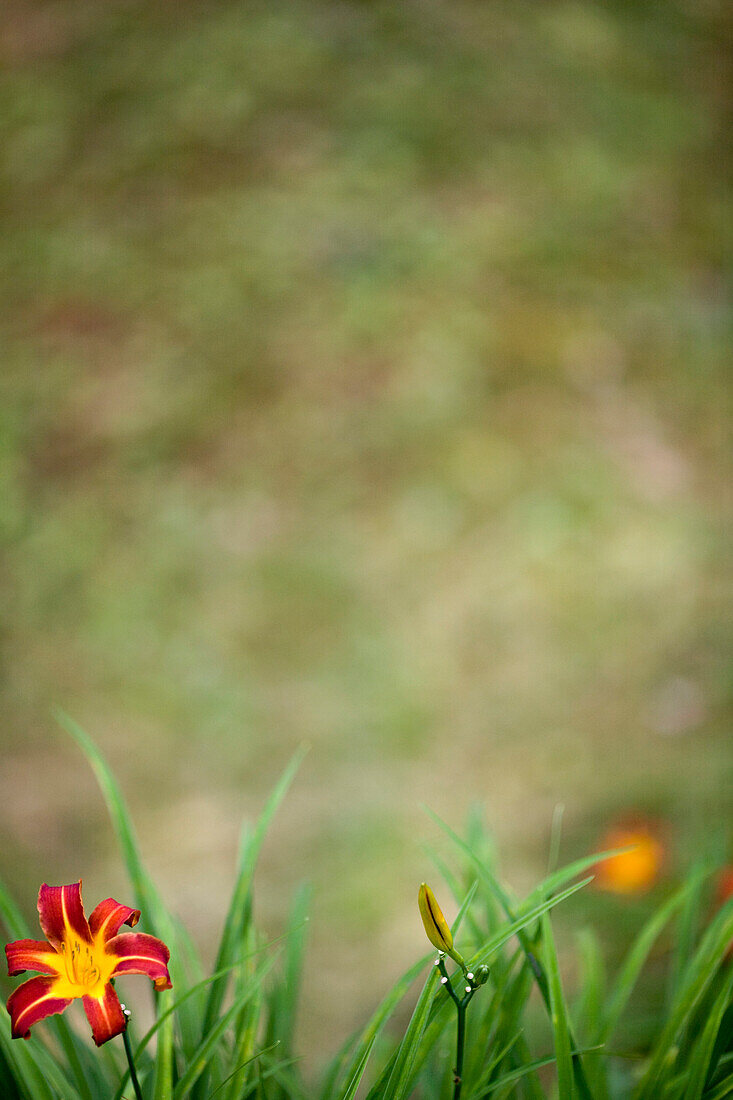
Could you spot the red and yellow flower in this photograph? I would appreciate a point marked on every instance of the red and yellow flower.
(80, 959)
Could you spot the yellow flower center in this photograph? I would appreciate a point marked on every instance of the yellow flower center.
(84, 969)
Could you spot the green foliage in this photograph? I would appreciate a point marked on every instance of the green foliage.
(364, 372)
(233, 1034)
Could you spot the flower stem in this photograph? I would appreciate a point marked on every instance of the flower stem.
(460, 1040)
(131, 1063)
(461, 1005)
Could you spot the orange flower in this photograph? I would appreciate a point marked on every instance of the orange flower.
(725, 884)
(80, 959)
(635, 871)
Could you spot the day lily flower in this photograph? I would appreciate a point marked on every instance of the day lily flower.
(80, 959)
(635, 871)
(435, 924)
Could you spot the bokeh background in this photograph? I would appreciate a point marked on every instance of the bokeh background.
(362, 385)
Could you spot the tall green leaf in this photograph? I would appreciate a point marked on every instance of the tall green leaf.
(558, 1013)
(35, 1070)
(696, 978)
(146, 895)
(702, 1063)
(240, 907)
(634, 962)
(208, 1045)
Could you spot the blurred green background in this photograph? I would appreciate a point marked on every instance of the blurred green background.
(362, 384)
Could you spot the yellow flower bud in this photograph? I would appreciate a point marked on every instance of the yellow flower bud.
(435, 924)
(436, 927)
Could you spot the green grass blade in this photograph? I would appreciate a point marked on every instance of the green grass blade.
(702, 1063)
(590, 1009)
(353, 1084)
(242, 1066)
(240, 906)
(531, 1085)
(334, 1071)
(589, 1013)
(281, 1024)
(190, 959)
(197, 1065)
(721, 1091)
(146, 897)
(76, 1054)
(9, 1089)
(592, 993)
(523, 1071)
(173, 1008)
(26, 1076)
(634, 962)
(34, 1069)
(485, 1078)
(164, 1055)
(147, 900)
(240, 903)
(12, 918)
(697, 976)
(723, 1050)
(571, 870)
(690, 920)
(501, 1026)
(233, 933)
(246, 1028)
(281, 1072)
(400, 1079)
(377, 1022)
(549, 884)
(558, 1013)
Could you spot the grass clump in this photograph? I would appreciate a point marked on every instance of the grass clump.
(232, 1034)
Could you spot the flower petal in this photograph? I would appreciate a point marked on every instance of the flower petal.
(33, 1001)
(109, 916)
(61, 914)
(138, 953)
(32, 955)
(105, 1015)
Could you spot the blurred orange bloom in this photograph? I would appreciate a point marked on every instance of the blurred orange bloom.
(725, 884)
(637, 870)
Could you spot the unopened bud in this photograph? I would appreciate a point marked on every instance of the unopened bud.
(481, 975)
(435, 924)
